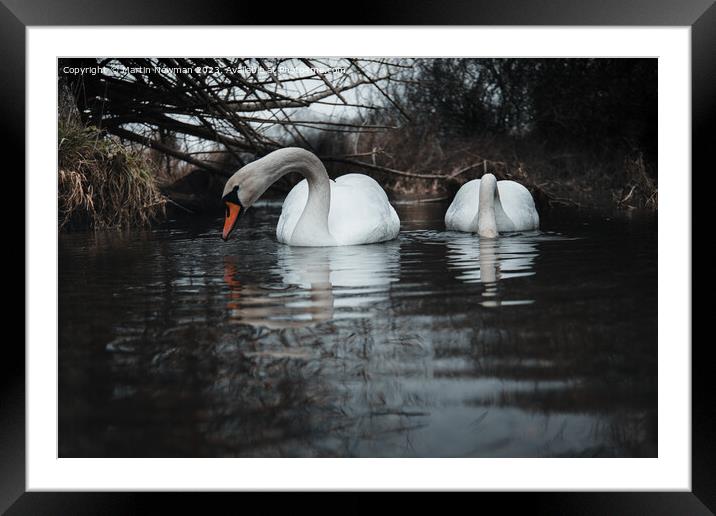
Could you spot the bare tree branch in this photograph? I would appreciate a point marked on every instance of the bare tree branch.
(149, 142)
(241, 105)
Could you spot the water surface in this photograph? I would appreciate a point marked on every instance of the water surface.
(173, 343)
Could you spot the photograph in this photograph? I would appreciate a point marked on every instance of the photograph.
(376, 257)
(417, 250)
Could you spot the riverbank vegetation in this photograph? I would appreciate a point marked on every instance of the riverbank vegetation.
(579, 133)
(102, 183)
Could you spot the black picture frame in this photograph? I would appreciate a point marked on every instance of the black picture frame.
(700, 15)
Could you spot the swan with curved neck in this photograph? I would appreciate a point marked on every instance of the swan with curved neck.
(489, 207)
(318, 211)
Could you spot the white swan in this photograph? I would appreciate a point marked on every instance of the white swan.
(490, 207)
(318, 211)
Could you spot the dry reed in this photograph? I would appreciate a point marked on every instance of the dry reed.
(101, 183)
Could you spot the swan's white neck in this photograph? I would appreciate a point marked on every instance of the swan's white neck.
(489, 202)
(312, 226)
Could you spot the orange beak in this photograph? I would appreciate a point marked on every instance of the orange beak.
(232, 214)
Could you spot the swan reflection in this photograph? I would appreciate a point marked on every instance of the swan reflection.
(316, 284)
(491, 260)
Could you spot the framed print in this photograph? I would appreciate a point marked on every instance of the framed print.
(423, 255)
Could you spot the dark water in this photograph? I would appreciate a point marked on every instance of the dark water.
(173, 343)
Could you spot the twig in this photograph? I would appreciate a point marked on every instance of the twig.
(468, 168)
(149, 142)
(384, 169)
(628, 195)
(168, 199)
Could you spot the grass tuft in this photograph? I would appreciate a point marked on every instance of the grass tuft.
(101, 183)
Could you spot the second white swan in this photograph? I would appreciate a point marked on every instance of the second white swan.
(318, 211)
(489, 207)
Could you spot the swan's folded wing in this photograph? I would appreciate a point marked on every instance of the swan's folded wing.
(519, 206)
(360, 211)
(463, 209)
